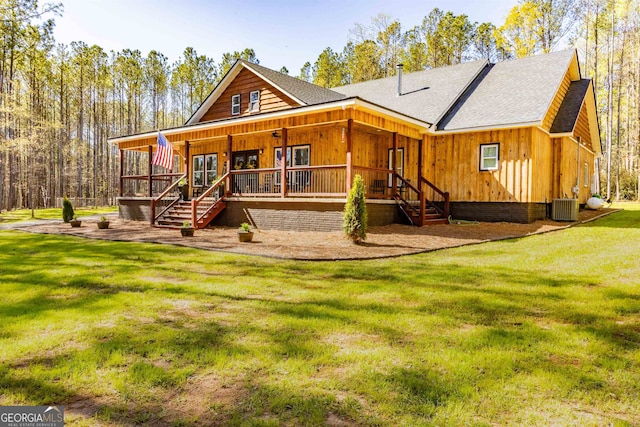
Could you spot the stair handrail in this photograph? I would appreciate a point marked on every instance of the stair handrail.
(195, 202)
(154, 201)
(444, 194)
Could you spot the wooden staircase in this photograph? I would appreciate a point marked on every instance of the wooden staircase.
(411, 211)
(423, 211)
(182, 211)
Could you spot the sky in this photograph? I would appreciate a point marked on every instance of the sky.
(281, 32)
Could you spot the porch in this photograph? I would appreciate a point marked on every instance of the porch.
(296, 166)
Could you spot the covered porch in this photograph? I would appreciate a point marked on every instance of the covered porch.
(289, 158)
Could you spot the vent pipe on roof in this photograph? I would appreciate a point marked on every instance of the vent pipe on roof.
(399, 66)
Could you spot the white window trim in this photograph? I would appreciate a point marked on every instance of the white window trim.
(399, 166)
(200, 171)
(483, 157)
(206, 171)
(254, 105)
(587, 175)
(235, 104)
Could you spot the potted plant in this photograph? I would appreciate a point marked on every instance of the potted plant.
(244, 232)
(187, 230)
(103, 223)
(75, 222)
(184, 189)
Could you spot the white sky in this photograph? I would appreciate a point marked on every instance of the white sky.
(282, 33)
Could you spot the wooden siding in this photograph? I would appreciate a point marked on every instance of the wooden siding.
(557, 101)
(582, 128)
(271, 99)
(564, 167)
(452, 163)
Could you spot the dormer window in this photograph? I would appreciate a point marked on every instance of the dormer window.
(235, 105)
(254, 101)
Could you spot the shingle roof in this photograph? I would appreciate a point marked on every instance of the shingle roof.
(306, 92)
(426, 95)
(511, 92)
(567, 116)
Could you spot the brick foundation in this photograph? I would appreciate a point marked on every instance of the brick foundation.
(499, 211)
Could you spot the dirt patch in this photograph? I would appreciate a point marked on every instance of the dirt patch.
(386, 241)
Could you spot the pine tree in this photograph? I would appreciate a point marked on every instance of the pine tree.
(67, 210)
(355, 212)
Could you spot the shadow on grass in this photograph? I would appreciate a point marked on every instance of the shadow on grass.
(149, 360)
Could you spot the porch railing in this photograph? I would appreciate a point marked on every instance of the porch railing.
(301, 181)
(434, 197)
(146, 185)
(164, 201)
(202, 206)
(377, 181)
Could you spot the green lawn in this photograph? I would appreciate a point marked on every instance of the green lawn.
(543, 330)
(50, 213)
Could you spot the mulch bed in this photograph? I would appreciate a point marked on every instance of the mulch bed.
(382, 242)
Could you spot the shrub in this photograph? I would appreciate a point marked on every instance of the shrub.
(355, 212)
(67, 210)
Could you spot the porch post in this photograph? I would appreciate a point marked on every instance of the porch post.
(121, 189)
(421, 192)
(150, 178)
(187, 147)
(227, 182)
(394, 164)
(349, 176)
(283, 165)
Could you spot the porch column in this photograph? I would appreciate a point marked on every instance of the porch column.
(227, 182)
(187, 147)
(283, 165)
(423, 200)
(394, 164)
(150, 178)
(349, 173)
(121, 189)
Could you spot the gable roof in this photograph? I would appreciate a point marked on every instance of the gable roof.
(567, 116)
(303, 92)
(511, 93)
(426, 95)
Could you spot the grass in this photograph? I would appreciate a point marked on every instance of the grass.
(543, 330)
(50, 213)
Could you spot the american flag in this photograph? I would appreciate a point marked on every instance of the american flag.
(164, 153)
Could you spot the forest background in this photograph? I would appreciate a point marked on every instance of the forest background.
(60, 103)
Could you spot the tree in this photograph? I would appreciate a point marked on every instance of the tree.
(328, 71)
(355, 212)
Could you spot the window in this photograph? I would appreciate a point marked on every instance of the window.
(399, 164)
(278, 157)
(211, 168)
(489, 157)
(198, 171)
(235, 105)
(586, 174)
(254, 101)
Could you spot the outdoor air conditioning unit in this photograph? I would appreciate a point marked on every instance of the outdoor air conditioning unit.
(564, 210)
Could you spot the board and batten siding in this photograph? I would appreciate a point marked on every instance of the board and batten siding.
(271, 98)
(452, 163)
(557, 102)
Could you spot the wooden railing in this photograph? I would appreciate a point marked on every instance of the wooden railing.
(163, 201)
(377, 181)
(300, 181)
(435, 198)
(209, 198)
(145, 185)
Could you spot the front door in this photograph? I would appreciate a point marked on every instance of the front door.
(246, 182)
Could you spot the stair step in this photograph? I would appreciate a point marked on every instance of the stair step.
(436, 221)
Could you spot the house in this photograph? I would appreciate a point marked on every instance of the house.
(492, 142)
